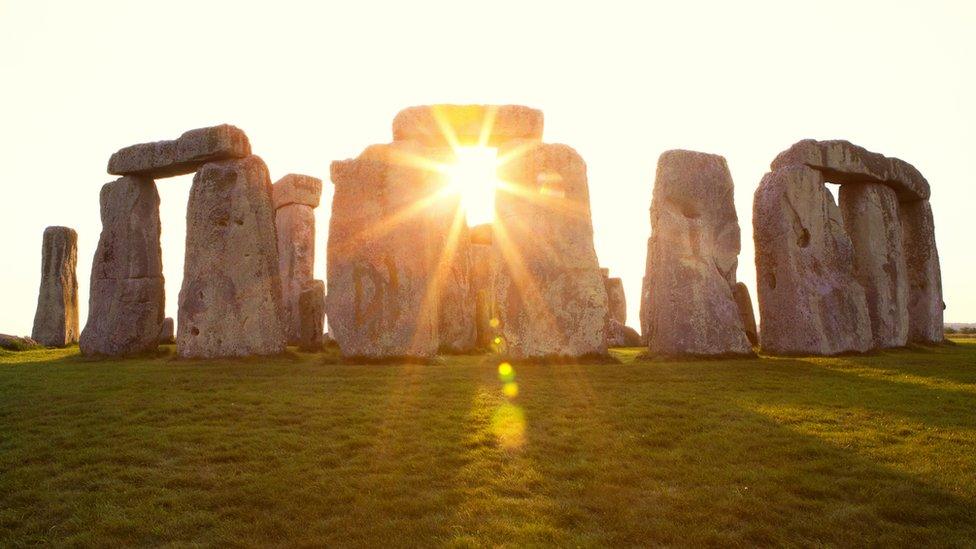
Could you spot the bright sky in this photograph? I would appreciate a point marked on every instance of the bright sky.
(311, 82)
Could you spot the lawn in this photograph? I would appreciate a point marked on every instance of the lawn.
(299, 450)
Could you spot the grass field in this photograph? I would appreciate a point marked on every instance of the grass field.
(876, 450)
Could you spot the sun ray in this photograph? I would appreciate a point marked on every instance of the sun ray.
(444, 123)
(487, 125)
(430, 304)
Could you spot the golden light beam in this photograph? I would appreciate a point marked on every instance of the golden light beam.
(487, 125)
(562, 205)
(444, 124)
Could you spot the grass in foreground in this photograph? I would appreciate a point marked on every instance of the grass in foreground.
(876, 450)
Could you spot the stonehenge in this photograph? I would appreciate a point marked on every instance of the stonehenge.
(56, 318)
(692, 256)
(167, 332)
(295, 199)
(852, 277)
(311, 311)
(183, 155)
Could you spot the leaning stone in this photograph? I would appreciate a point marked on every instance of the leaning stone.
(297, 189)
(491, 125)
(809, 300)
(311, 308)
(842, 162)
(870, 213)
(167, 333)
(16, 343)
(182, 155)
(295, 227)
(692, 259)
(56, 319)
(127, 299)
(230, 302)
(743, 302)
(551, 299)
(925, 305)
(620, 335)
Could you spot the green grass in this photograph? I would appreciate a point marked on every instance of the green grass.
(877, 450)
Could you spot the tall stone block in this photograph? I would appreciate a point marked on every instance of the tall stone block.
(230, 302)
(311, 310)
(809, 300)
(925, 303)
(548, 286)
(743, 302)
(692, 259)
(616, 300)
(295, 197)
(56, 318)
(870, 213)
(127, 295)
(482, 276)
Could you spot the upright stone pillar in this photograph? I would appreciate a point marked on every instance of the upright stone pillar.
(230, 302)
(925, 305)
(311, 311)
(56, 319)
(126, 304)
(295, 199)
(482, 285)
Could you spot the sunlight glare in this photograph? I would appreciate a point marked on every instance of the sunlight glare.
(473, 176)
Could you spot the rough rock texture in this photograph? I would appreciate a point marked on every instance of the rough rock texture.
(56, 319)
(183, 155)
(925, 303)
(870, 213)
(311, 309)
(17, 343)
(620, 335)
(127, 296)
(809, 300)
(843, 162)
(548, 284)
(748, 317)
(167, 333)
(692, 259)
(295, 227)
(451, 285)
(427, 123)
(616, 301)
(297, 189)
(645, 309)
(230, 302)
(482, 275)
(380, 257)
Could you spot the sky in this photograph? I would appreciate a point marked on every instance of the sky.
(621, 82)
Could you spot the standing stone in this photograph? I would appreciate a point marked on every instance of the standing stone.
(616, 300)
(692, 259)
(127, 299)
(645, 307)
(230, 302)
(809, 299)
(870, 213)
(925, 303)
(482, 285)
(311, 309)
(167, 333)
(551, 299)
(295, 197)
(743, 302)
(379, 256)
(56, 319)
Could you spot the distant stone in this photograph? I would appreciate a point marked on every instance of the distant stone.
(925, 305)
(167, 333)
(551, 299)
(692, 259)
(620, 335)
(16, 343)
(311, 309)
(748, 317)
(230, 302)
(498, 123)
(809, 299)
(127, 296)
(842, 162)
(182, 155)
(295, 228)
(56, 318)
(297, 189)
(645, 308)
(482, 276)
(870, 213)
(616, 300)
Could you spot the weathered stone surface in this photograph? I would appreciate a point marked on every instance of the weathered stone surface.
(127, 295)
(297, 189)
(616, 300)
(451, 285)
(870, 213)
(167, 333)
(426, 124)
(748, 317)
(183, 155)
(549, 289)
(692, 258)
(482, 276)
(16, 343)
(56, 318)
(311, 309)
(230, 302)
(809, 300)
(295, 227)
(620, 335)
(842, 162)
(380, 257)
(925, 305)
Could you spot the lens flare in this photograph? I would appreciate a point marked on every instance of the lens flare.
(508, 425)
(473, 176)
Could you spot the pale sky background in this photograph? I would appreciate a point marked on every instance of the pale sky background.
(312, 82)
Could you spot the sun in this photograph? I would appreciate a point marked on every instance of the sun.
(472, 175)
